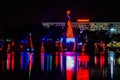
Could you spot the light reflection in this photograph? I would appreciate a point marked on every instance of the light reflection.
(118, 60)
(111, 62)
(70, 62)
(82, 67)
(25, 60)
(82, 74)
(56, 59)
(31, 57)
(8, 61)
(69, 67)
(102, 61)
(50, 61)
(96, 60)
(83, 59)
(42, 61)
(22, 60)
(42, 52)
(3, 65)
(13, 60)
(61, 61)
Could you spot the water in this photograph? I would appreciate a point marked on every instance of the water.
(60, 66)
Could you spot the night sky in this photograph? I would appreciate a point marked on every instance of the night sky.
(20, 13)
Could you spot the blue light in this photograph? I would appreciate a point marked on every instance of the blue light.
(61, 40)
(43, 39)
(24, 41)
(68, 40)
(28, 49)
(111, 54)
(112, 30)
(80, 43)
(32, 49)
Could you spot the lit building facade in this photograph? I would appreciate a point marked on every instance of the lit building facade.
(111, 27)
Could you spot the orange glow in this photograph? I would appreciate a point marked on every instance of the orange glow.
(96, 47)
(8, 47)
(68, 12)
(61, 48)
(56, 43)
(42, 48)
(101, 43)
(69, 30)
(74, 47)
(13, 42)
(83, 20)
(83, 48)
(3, 65)
(31, 44)
(21, 46)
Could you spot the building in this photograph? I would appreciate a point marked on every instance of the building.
(111, 27)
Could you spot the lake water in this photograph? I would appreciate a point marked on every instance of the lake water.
(60, 66)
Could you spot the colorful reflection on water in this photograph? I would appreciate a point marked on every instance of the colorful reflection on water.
(63, 65)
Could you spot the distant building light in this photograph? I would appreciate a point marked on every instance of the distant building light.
(83, 20)
(112, 30)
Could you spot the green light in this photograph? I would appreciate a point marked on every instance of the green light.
(8, 40)
(118, 60)
(50, 62)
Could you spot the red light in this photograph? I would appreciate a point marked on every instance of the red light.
(102, 61)
(42, 48)
(83, 59)
(96, 60)
(13, 60)
(56, 59)
(83, 74)
(8, 61)
(69, 74)
(31, 55)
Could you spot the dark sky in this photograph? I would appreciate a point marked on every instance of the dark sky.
(20, 12)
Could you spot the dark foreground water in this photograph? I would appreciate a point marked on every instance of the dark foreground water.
(60, 66)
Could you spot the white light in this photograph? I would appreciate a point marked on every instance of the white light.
(112, 30)
(68, 40)
(70, 62)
